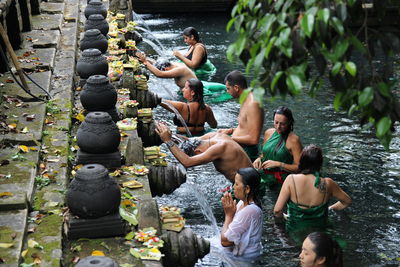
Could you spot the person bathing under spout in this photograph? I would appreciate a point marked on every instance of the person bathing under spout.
(163, 68)
(226, 155)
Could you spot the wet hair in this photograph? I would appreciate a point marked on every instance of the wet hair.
(189, 31)
(162, 63)
(325, 246)
(282, 110)
(252, 178)
(236, 78)
(188, 146)
(197, 87)
(310, 159)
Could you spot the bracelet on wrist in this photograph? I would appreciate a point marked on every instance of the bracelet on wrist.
(170, 143)
(281, 166)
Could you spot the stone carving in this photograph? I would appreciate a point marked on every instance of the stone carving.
(91, 62)
(94, 39)
(97, 21)
(95, 7)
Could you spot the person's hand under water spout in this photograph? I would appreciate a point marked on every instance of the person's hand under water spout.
(163, 131)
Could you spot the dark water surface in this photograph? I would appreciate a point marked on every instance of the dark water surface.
(353, 157)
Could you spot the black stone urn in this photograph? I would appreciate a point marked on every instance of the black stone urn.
(93, 193)
(95, 7)
(90, 63)
(137, 37)
(98, 94)
(98, 134)
(94, 39)
(97, 21)
(97, 261)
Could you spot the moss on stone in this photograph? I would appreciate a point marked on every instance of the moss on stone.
(38, 201)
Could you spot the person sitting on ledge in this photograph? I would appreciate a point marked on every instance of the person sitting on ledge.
(226, 155)
(196, 56)
(195, 113)
(163, 68)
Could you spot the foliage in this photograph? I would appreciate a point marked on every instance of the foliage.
(283, 41)
(42, 181)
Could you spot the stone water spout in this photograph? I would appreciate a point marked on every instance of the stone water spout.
(183, 249)
(165, 180)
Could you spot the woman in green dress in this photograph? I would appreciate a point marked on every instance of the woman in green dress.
(281, 150)
(306, 195)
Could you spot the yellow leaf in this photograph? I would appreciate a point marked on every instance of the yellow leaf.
(32, 243)
(32, 148)
(97, 253)
(25, 130)
(23, 253)
(132, 184)
(6, 194)
(6, 245)
(23, 148)
(12, 125)
(80, 117)
(37, 260)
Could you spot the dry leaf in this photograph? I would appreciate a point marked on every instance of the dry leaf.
(8, 245)
(6, 194)
(25, 130)
(32, 148)
(80, 117)
(12, 125)
(37, 259)
(4, 162)
(53, 160)
(97, 253)
(76, 259)
(23, 253)
(23, 148)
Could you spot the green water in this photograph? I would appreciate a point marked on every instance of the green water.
(353, 157)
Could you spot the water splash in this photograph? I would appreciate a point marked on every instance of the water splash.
(178, 115)
(154, 46)
(205, 207)
(138, 19)
(149, 35)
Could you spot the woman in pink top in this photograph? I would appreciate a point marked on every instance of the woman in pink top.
(242, 230)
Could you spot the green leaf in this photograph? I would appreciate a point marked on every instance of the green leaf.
(353, 108)
(258, 94)
(130, 236)
(383, 126)
(275, 80)
(338, 101)
(134, 253)
(323, 14)
(244, 95)
(340, 49)
(341, 10)
(307, 24)
(336, 68)
(384, 89)
(354, 41)
(351, 68)
(129, 217)
(337, 25)
(366, 96)
(294, 83)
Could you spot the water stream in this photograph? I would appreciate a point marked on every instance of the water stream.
(178, 115)
(353, 158)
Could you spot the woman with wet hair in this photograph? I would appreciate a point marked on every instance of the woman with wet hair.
(281, 149)
(242, 230)
(196, 56)
(320, 250)
(306, 195)
(195, 113)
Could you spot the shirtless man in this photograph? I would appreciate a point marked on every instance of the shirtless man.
(226, 155)
(165, 69)
(251, 115)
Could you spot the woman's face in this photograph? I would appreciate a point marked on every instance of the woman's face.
(307, 255)
(281, 123)
(188, 39)
(239, 188)
(187, 92)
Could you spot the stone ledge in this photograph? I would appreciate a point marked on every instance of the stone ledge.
(52, 8)
(12, 230)
(40, 39)
(13, 89)
(47, 22)
(36, 59)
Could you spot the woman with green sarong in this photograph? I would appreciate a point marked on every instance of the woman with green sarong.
(281, 150)
(196, 56)
(306, 195)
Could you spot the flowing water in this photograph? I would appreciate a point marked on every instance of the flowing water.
(353, 157)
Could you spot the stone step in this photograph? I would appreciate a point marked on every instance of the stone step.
(36, 59)
(52, 8)
(28, 119)
(47, 22)
(13, 89)
(19, 177)
(12, 230)
(40, 39)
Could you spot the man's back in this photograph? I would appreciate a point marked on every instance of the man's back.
(183, 73)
